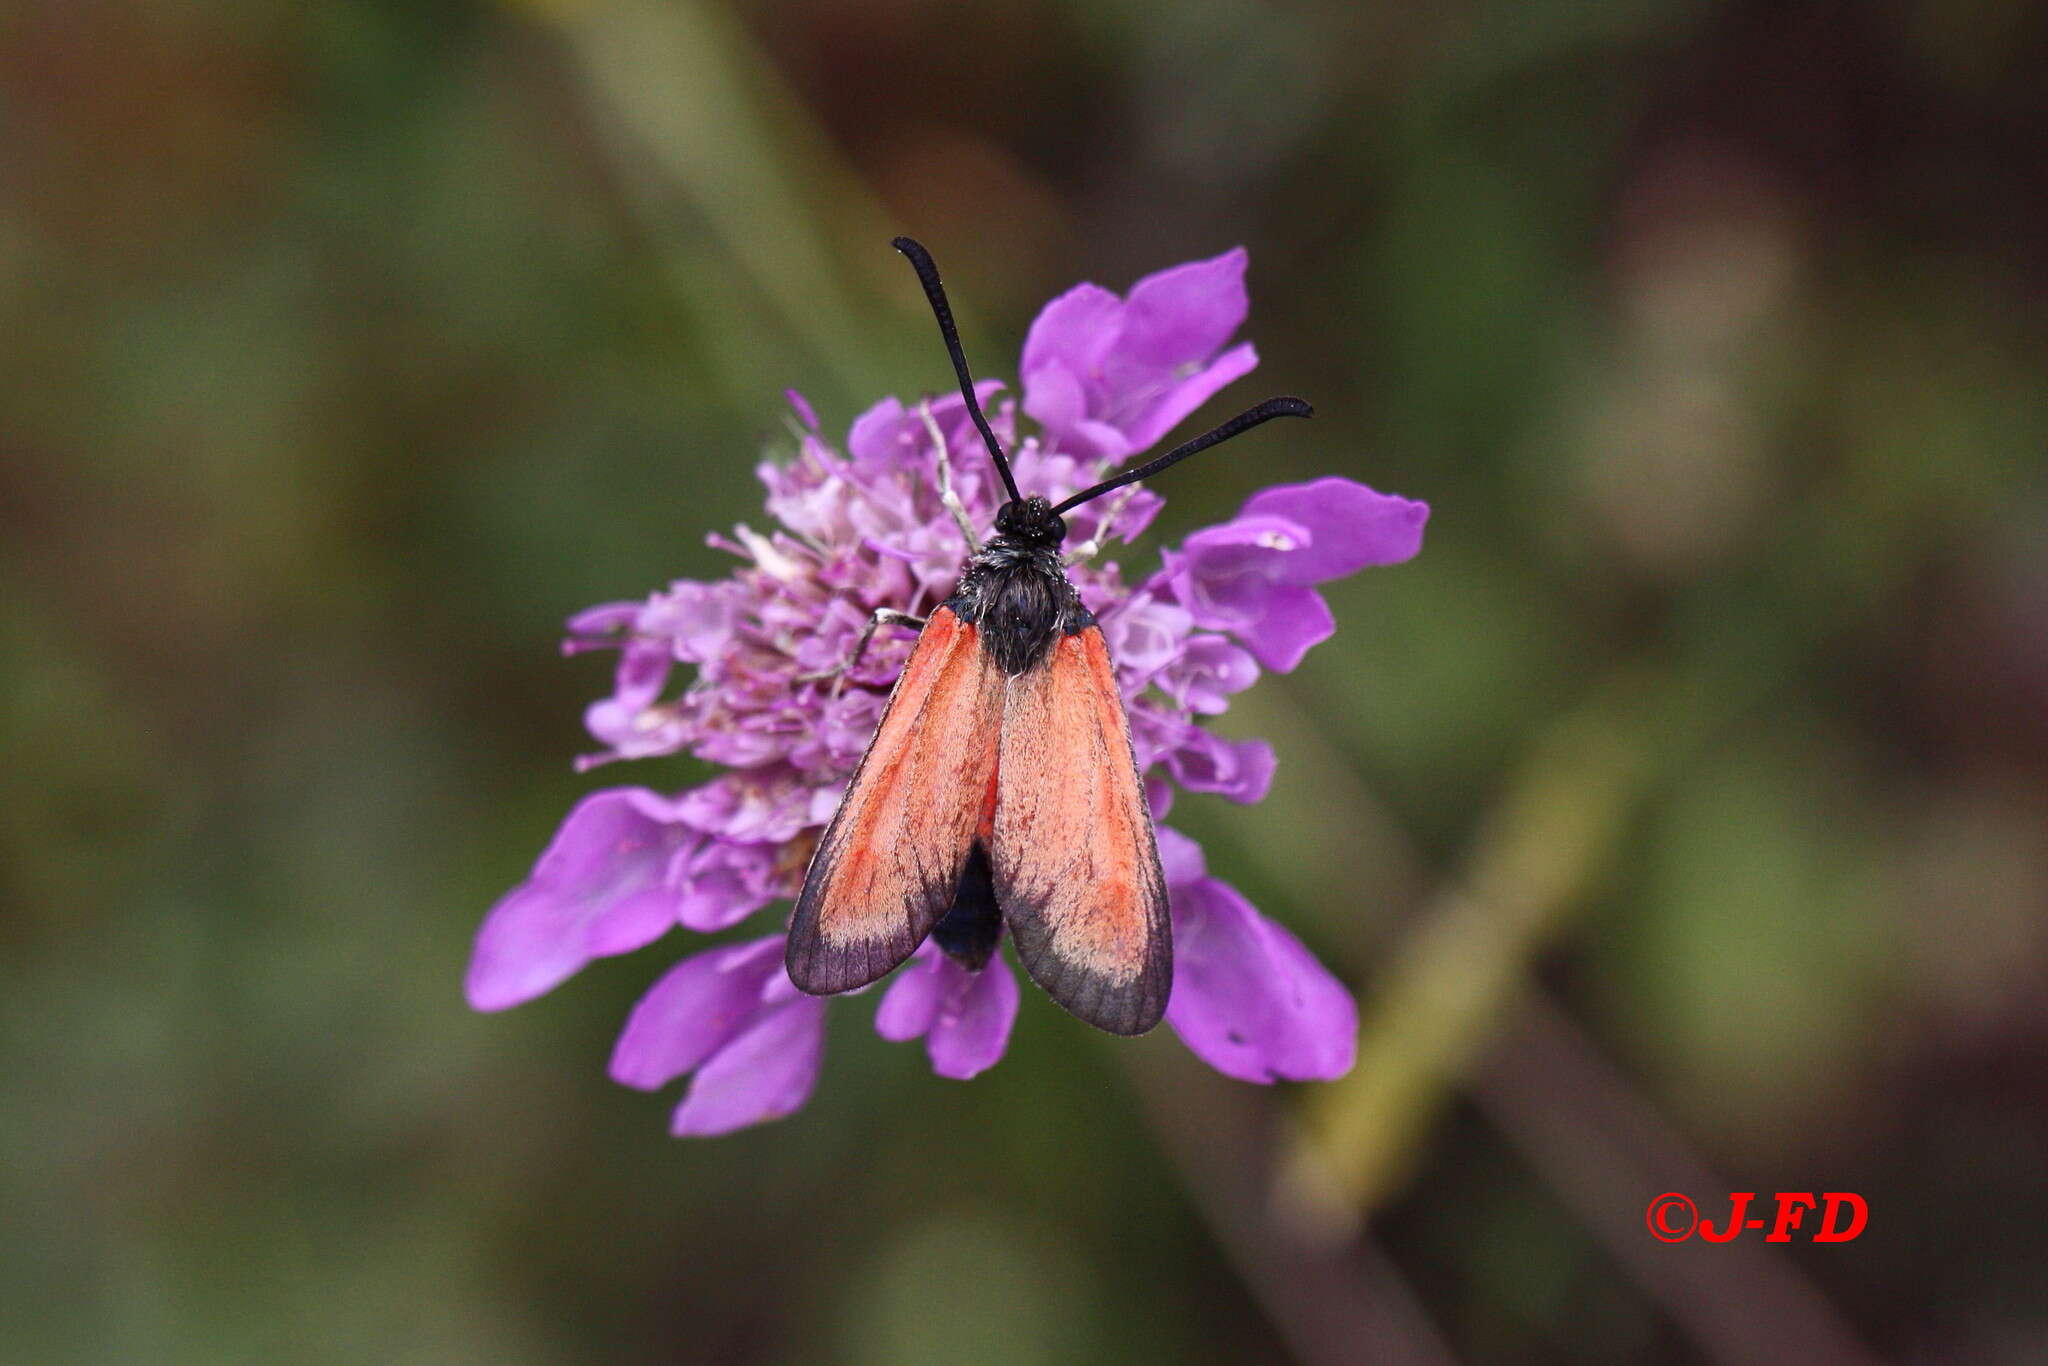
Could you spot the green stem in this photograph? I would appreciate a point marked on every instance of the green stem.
(1447, 984)
(699, 122)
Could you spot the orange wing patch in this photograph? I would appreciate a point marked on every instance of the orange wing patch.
(1076, 867)
(889, 863)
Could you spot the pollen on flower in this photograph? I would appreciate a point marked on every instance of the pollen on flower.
(749, 672)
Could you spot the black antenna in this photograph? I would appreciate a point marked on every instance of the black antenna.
(928, 276)
(1237, 426)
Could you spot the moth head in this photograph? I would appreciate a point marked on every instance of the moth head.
(1030, 521)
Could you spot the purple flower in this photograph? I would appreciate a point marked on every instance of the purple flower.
(744, 672)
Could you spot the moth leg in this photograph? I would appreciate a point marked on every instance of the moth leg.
(1092, 547)
(882, 616)
(946, 494)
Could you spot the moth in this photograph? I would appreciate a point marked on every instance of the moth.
(1000, 788)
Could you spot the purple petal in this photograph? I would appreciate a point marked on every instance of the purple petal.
(891, 435)
(1249, 999)
(1132, 522)
(765, 1073)
(973, 1024)
(1239, 770)
(1155, 731)
(694, 621)
(1189, 394)
(1350, 526)
(1158, 796)
(633, 721)
(1054, 398)
(1061, 402)
(723, 882)
(957, 425)
(601, 626)
(1085, 523)
(1233, 577)
(1208, 671)
(1146, 635)
(1186, 313)
(912, 1001)
(1224, 574)
(598, 890)
(1216, 561)
(801, 406)
(754, 808)
(633, 731)
(965, 1016)
(1179, 857)
(694, 1010)
(643, 671)
(878, 436)
(1251, 575)
(1072, 333)
(1104, 439)
(1294, 620)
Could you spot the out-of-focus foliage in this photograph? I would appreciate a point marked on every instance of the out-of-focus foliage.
(349, 347)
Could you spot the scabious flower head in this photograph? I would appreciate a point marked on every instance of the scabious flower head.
(746, 672)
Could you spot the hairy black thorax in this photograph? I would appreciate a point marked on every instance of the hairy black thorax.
(1015, 591)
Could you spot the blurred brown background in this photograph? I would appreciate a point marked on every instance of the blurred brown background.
(1681, 814)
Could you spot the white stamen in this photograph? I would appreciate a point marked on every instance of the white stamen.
(772, 561)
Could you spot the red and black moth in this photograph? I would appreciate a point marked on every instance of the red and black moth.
(1000, 788)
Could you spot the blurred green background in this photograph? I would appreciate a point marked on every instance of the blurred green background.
(1681, 814)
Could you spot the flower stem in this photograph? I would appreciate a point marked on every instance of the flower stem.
(702, 137)
(1449, 981)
